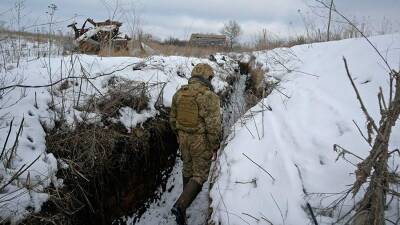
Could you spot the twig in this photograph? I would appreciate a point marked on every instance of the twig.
(15, 143)
(8, 136)
(382, 98)
(265, 219)
(396, 150)
(276, 88)
(61, 80)
(364, 109)
(293, 70)
(312, 213)
(255, 124)
(280, 211)
(19, 172)
(84, 72)
(243, 122)
(341, 152)
(273, 179)
(223, 202)
(253, 181)
(362, 134)
(256, 219)
(87, 199)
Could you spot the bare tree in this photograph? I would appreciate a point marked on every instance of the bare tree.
(132, 17)
(51, 11)
(19, 6)
(232, 30)
(329, 21)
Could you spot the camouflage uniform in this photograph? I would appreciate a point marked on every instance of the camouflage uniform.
(198, 143)
(195, 118)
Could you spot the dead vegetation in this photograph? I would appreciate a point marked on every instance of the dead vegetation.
(108, 171)
(121, 93)
(257, 86)
(375, 180)
(371, 209)
(184, 50)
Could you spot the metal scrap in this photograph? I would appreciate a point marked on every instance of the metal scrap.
(99, 36)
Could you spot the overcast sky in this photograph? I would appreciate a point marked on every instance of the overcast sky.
(180, 18)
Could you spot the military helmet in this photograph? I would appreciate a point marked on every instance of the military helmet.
(203, 70)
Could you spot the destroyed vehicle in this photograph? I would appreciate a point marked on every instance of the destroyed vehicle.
(100, 36)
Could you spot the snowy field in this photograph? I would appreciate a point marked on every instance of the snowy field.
(311, 111)
(291, 134)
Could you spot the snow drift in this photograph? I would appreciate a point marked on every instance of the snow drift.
(290, 135)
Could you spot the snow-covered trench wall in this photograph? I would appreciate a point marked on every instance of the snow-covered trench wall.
(269, 179)
(100, 136)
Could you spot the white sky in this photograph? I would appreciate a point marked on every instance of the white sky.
(180, 18)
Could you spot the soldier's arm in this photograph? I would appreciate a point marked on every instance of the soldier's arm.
(212, 120)
(172, 115)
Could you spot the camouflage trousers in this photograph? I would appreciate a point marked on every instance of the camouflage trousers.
(196, 156)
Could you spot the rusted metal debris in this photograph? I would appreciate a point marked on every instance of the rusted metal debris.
(100, 36)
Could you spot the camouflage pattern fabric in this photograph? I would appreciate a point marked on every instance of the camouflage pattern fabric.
(198, 143)
(195, 155)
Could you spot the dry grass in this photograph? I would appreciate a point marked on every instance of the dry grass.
(113, 53)
(110, 172)
(121, 93)
(187, 50)
(34, 37)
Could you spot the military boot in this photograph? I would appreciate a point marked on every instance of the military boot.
(190, 191)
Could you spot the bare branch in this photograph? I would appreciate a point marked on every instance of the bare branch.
(262, 168)
(364, 109)
(362, 134)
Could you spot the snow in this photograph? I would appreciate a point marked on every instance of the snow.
(90, 33)
(159, 211)
(293, 141)
(130, 118)
(312, 109)
(27, 193)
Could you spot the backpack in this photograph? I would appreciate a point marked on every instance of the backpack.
(187, 108)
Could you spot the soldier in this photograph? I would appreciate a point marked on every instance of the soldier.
(195, 118)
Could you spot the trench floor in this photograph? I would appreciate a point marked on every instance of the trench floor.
(159, 212)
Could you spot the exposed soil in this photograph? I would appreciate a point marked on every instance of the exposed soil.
(110, 172)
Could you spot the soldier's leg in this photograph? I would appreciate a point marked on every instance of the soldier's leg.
(197, 146)
(187, 171)
(200, 165)
(201, 161)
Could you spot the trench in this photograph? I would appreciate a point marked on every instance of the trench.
(107, 172)
(235, 105)
(110, 175)
(233, 102)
